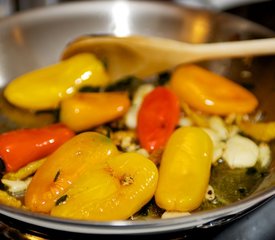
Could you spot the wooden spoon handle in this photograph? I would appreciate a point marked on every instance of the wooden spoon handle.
(232, 49)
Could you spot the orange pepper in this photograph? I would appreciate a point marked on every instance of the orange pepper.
(86, 110)
(62, 168)
(208, 92)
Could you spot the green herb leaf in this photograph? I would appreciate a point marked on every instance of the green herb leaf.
(61, 200)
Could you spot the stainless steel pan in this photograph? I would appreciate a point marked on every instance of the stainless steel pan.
(36, 38)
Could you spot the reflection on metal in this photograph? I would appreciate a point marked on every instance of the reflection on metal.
(216, 4)
(199, 29)
(24, 5)
(6, 7)
(120, 16)
(17, 35)
(32, 237)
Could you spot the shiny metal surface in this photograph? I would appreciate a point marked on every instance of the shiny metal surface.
(37, 38)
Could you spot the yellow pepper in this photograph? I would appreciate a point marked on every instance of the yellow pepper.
(9, 200)
(208, 92)
(86, 110)
(62, 168)
(25, 171)
(184, 170)
(113, 191)
(44, 88)
(261, 131)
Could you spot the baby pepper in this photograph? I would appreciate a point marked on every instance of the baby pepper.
(157, 118)
(44, 88)
(86, 110)
(19, 147)
(62, 168)
(113, 191)
(184, 170)
(211, 93)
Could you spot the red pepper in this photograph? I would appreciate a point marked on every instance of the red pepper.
(157, 118)
(20, 147)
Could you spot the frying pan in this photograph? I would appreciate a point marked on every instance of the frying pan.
(36, 38)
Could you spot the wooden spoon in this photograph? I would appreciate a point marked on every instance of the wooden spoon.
(144, 56)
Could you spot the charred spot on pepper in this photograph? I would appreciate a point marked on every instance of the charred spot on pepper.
(61, 200)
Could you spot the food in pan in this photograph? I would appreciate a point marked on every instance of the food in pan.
(182, 141)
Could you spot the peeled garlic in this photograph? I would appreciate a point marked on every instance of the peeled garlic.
(16, 186)
(217, 124)
(169, 214)
(264, 155)
(241, 152)
(218, 144)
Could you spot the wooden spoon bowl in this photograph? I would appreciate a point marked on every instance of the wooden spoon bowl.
(143, 56)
